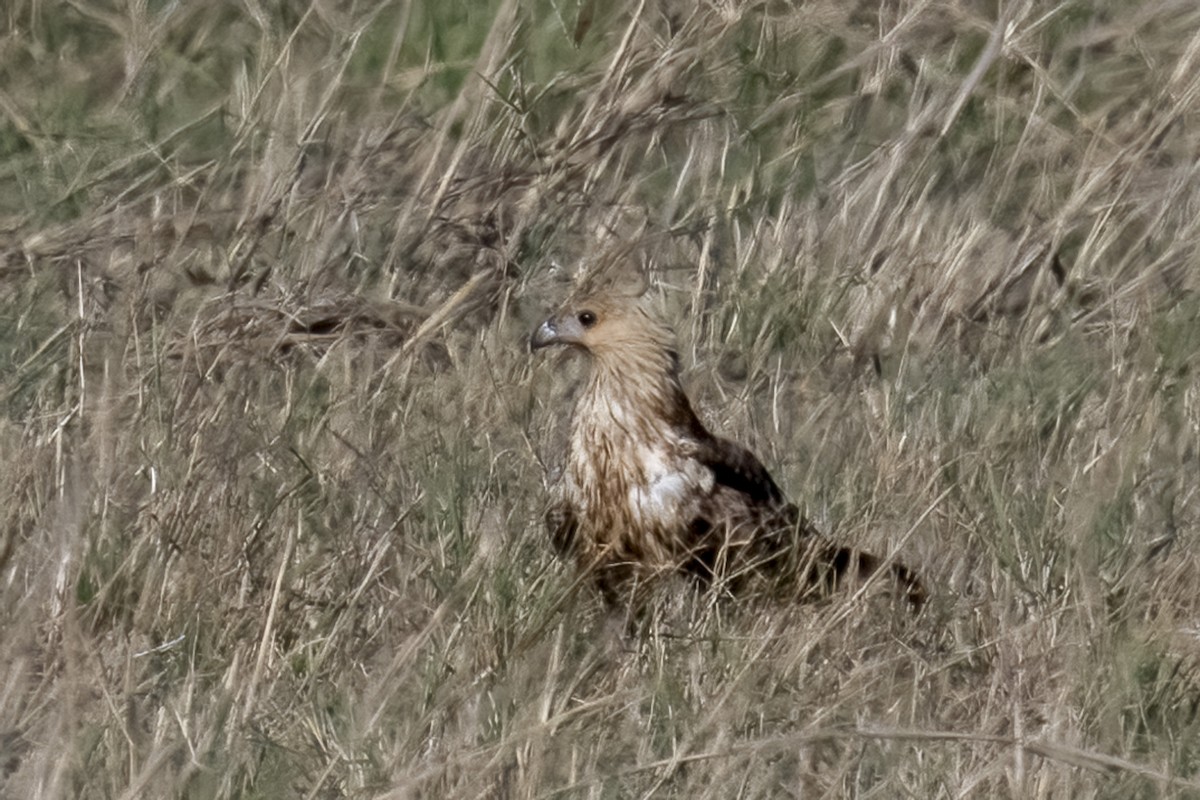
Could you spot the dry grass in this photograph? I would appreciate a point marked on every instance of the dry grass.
(274, 448)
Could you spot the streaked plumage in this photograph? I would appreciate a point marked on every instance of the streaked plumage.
(647, 490)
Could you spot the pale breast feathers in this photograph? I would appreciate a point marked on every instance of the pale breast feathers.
(640, 465)
(669, 489)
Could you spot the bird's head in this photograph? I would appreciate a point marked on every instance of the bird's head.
(631, 351)
(579, 325)
(604, 327)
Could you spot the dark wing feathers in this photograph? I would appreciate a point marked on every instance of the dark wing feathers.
(745, 493)
(745, 524)
(744, 490)
(737, 468)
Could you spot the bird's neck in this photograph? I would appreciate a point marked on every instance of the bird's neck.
(640, 389)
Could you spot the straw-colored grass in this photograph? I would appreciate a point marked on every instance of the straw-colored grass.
(274, 453)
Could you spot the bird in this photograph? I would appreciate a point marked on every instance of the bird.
(646, 491)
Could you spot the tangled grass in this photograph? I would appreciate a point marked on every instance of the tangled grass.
(274, 450)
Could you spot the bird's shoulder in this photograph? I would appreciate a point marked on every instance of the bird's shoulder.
(735, 467)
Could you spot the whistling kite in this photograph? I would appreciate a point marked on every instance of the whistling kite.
(646, 489)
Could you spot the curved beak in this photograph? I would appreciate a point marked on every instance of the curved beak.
(544, 335)
(559, 329)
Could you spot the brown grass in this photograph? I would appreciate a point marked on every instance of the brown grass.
(274, 452)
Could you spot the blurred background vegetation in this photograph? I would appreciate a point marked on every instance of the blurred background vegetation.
(274, 452)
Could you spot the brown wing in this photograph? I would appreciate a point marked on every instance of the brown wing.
(744, 524)
(747, 511)
(737, 469)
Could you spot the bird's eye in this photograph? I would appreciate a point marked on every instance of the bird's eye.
(587, 318)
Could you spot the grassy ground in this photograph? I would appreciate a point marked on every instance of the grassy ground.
(274, 451)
